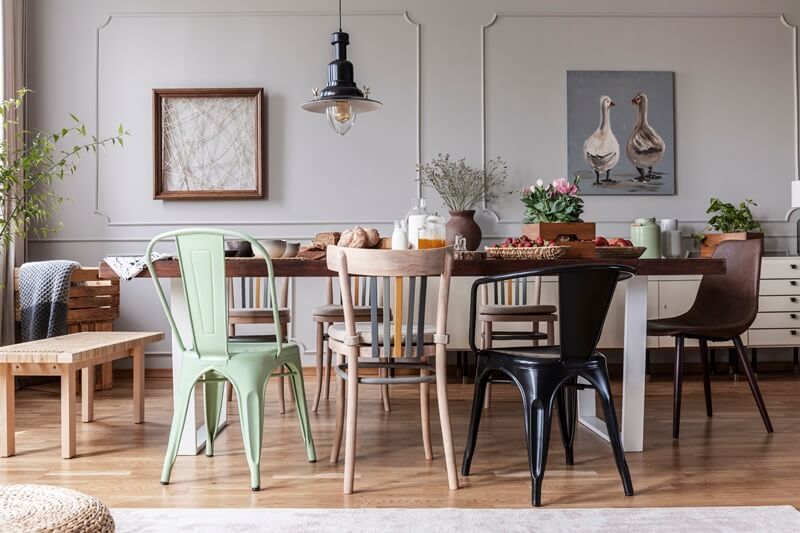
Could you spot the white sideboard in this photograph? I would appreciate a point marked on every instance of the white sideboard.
(777, 323)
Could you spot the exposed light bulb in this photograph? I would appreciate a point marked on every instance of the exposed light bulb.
(341, 116)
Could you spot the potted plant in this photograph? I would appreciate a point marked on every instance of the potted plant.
(553, 213)
(461, 188)
(730, 223)
(32, 164)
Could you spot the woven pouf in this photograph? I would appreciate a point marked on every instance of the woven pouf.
(29, 508)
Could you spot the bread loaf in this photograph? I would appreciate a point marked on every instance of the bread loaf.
(327, 238)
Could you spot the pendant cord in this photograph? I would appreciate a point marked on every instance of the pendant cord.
(340, 16)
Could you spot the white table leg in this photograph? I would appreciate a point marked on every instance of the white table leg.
(633, 367)
(194, 437)
(633, 373)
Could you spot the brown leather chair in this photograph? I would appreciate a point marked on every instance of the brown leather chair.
(725, 307)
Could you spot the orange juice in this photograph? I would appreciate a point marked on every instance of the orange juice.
(431, 243)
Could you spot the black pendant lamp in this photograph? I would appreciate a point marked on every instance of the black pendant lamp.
(341, 100)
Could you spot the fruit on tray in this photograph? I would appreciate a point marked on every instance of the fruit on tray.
(524, 242)
(613, 241)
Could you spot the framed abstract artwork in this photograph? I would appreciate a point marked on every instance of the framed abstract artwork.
(621, 131)
(208, 144)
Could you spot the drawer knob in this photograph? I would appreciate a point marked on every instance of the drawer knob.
(793, 316)
(793, 283)
(793, 299)
(793, 332)
(793, 266)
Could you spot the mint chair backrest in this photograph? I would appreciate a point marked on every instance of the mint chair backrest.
(202, 263)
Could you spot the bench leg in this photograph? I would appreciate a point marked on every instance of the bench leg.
(7, 409)
(138, 384)
(68, 386)
(107, 375)
(87, 393)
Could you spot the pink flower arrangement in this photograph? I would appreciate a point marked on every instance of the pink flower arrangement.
(557, 201)
(563, 186)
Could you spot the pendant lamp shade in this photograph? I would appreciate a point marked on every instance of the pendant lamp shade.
(341, 100)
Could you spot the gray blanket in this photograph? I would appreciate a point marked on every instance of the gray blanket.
(43, 293)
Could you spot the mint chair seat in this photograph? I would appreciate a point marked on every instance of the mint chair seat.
(212, 358)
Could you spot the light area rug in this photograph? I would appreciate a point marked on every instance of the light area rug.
(668, 519)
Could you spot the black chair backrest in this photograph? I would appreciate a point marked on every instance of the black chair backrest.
(584, 296)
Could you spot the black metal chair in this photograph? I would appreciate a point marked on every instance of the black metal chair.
(547, 375)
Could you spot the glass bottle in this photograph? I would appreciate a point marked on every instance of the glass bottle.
(399, 237)
(415, 220)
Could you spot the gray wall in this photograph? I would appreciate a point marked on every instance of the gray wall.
(734, 86)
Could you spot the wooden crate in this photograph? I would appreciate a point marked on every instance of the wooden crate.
(578, 236)
(92, 305)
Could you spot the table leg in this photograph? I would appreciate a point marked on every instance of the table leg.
(633, 373)
(7, 410)
(633, 367)
(87, 393)
(68, 386)
(193, 438)
(138, 384)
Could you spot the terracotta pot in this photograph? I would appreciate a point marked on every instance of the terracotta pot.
(711, 240)
(463, 223)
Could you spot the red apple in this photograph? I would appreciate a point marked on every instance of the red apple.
(600, 241)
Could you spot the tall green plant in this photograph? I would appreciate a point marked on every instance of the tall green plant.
(32, 164)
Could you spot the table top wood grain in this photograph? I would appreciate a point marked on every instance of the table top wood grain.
(305, 268)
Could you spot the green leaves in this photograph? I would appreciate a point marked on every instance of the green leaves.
(28, 173)
(730, 219)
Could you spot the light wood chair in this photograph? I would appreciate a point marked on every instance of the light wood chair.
(389, 345)
(254, 306)
(512, 303)
(325, 316)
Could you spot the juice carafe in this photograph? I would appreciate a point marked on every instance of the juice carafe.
(432, 233)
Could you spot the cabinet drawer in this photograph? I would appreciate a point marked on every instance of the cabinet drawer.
(774, 337)
(777, 320)
(780, 268)
(771, 287)
(779, 303)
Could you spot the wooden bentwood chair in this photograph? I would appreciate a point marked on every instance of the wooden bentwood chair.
(547, 375)
(370, 346)
(325, 316)
(725, 307)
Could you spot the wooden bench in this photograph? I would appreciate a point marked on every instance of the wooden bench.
(63, 356)
(92, 305)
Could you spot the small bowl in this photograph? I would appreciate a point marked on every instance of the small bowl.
(274, 247)
(292, 249)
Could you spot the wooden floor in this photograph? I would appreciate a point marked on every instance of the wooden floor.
(727, 460)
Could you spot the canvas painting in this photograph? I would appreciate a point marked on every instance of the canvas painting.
(208, 143)
(621, 131)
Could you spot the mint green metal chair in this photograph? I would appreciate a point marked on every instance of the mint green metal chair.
(212, 358)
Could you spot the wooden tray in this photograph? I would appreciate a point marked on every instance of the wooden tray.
(535, 252)
(620, 252)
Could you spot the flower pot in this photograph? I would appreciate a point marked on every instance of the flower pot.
(579, 236)
(463, 223)
(711, 240)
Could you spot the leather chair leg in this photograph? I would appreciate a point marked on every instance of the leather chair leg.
(678, 386)
(751, 380)
(704, 362)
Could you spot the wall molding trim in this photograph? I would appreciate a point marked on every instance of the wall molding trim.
(779, 17)
(100, 211)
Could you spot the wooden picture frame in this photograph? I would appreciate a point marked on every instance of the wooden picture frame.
(195, 174)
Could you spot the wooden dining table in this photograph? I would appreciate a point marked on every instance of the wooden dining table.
(635, 335)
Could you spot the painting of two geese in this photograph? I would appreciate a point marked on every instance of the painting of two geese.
(620, 128)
